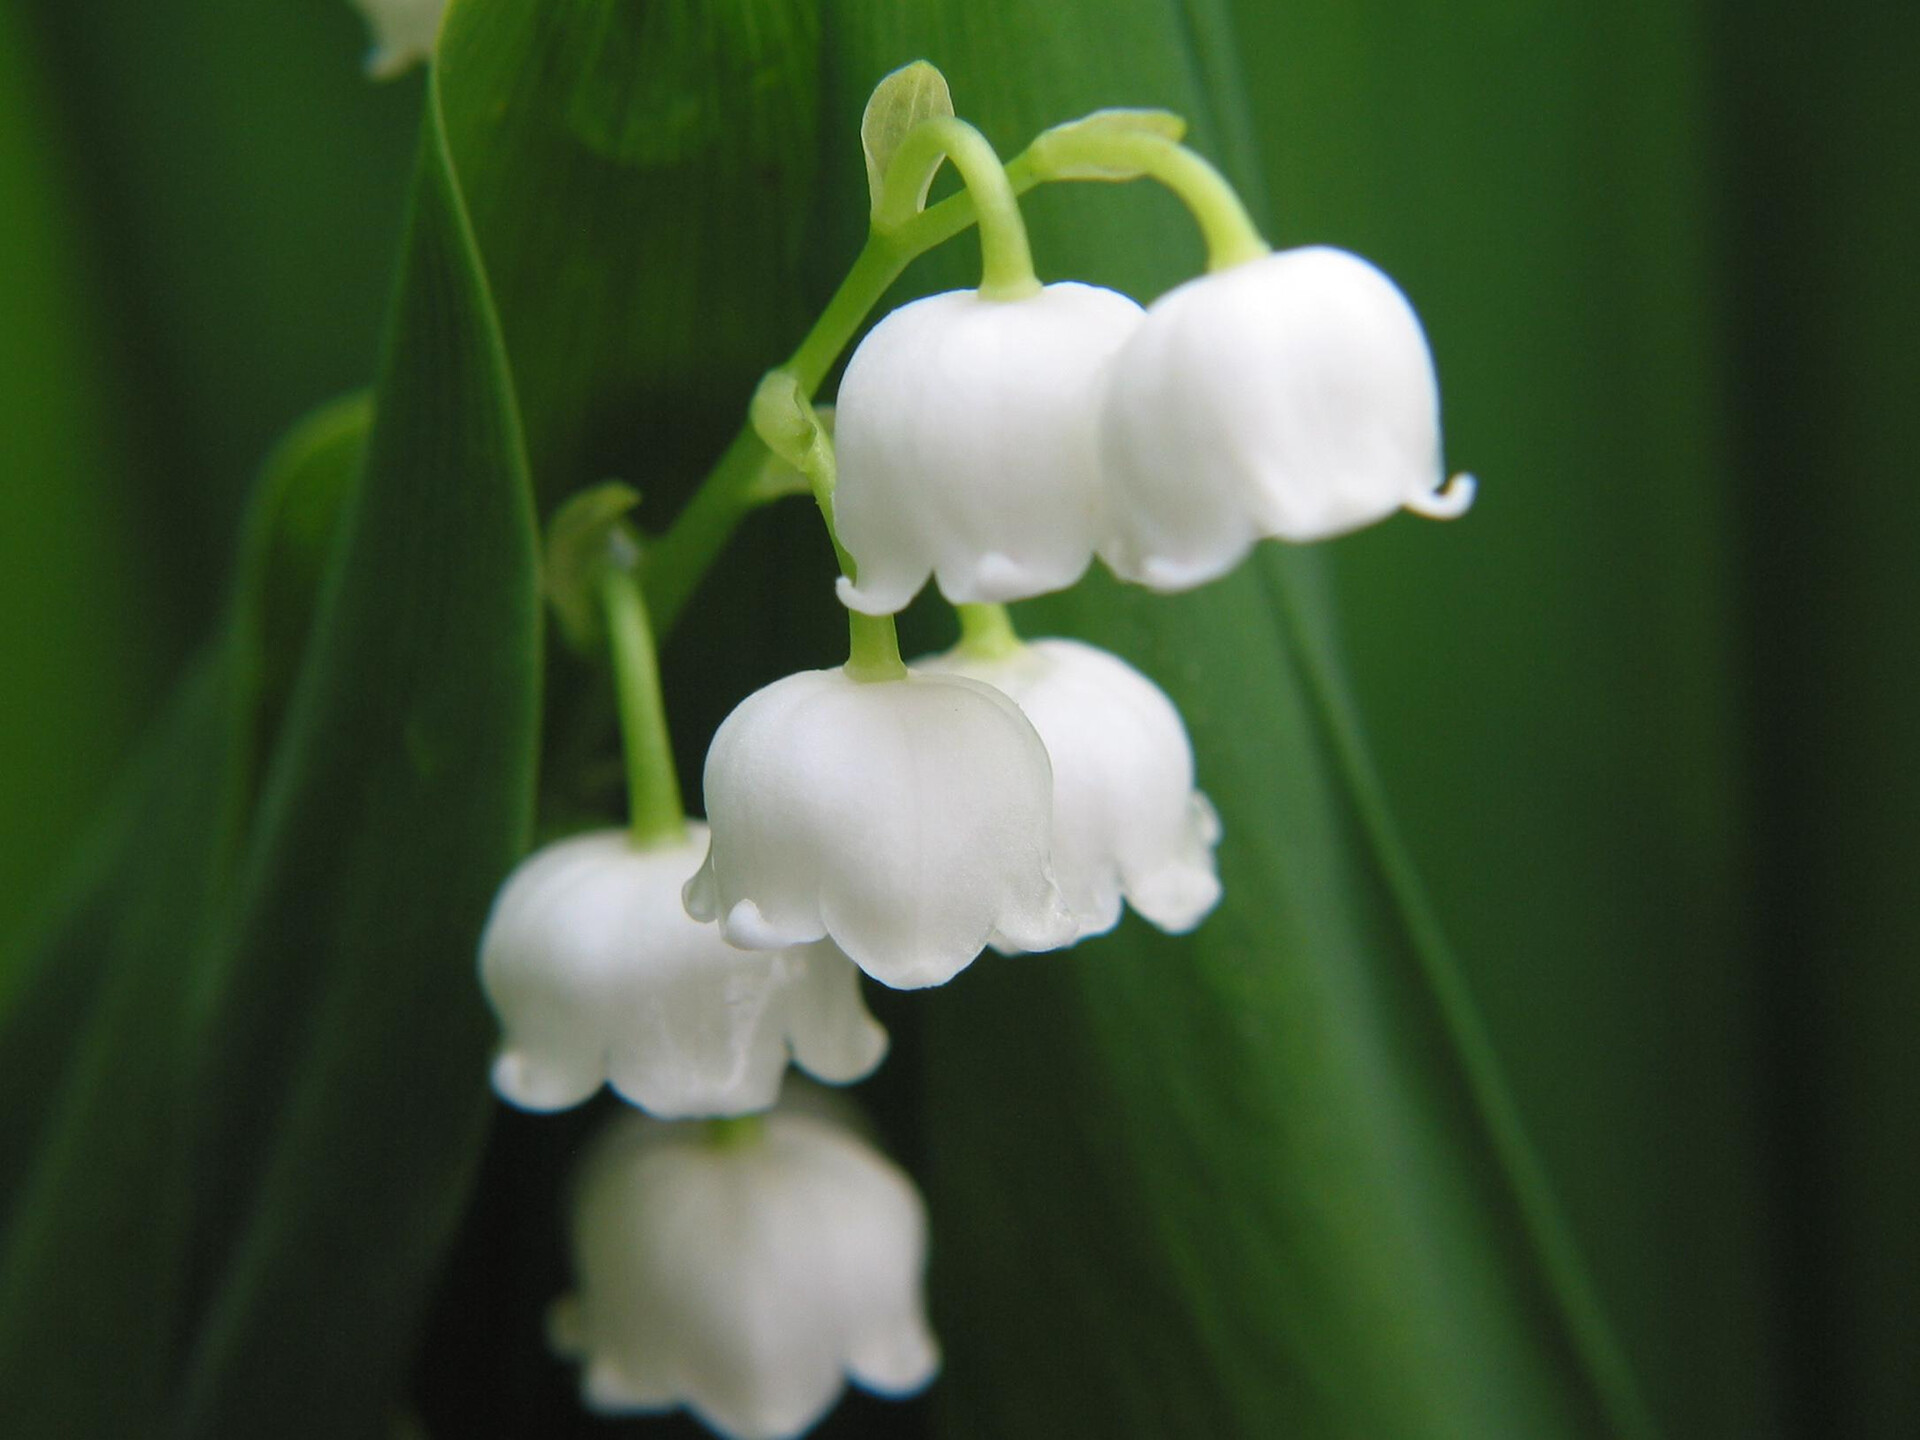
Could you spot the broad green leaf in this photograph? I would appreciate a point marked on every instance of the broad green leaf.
(244, 183)
(1551, 683)
(79, 640)
(679, 141)
(915, 92)
(344, 1041)
(1261, 1181)
(98, 1027)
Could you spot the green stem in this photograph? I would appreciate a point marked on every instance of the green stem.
(1006, 260)
(873, 648)
(681, 557)
(986, 631)
(1230, 234)
(653, 786)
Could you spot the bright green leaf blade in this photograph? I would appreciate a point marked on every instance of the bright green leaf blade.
(344, 1091)
(1261, 1181)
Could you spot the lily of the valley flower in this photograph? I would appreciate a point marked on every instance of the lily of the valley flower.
(1292, 396)
(746, 1275)
(967, 446)
(598, 975)
(1127, 820)
(905, 819)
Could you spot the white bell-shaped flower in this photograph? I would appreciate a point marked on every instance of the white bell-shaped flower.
(968, 446)
(403, 33)
(745, 1276)
(598, 974)
(1127, 820)
(1292, 396)
(905, 819)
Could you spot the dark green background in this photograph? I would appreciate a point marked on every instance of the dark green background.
(1647, 718)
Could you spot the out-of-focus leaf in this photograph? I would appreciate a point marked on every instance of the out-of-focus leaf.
(77, 633)
(344, 1040)
(1261, 1181)
(98, 1028)
(243, 185)
(95, 1064)
(1825, 306)
(1550, 683)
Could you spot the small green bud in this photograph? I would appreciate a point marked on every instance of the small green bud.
(586, 535)
(909, 95)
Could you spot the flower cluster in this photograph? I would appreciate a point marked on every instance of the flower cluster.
(899, 820)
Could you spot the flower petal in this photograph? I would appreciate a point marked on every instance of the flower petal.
(965, 430)
(906, 819)
(598, 974)
(1292, 397)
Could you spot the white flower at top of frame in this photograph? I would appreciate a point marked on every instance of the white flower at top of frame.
(1127, 820)
(746, 1277)
(403, 33)
(967, 445)
(1290, 397)
(907, 820)
(598, 974)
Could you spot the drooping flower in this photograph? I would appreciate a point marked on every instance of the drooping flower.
(967, 445)
(599, 975)
(745, 1274)
(1292, 397)
(906, 819)
(1127, 820)
(403, 33)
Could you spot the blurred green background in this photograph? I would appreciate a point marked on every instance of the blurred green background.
(1648, 717)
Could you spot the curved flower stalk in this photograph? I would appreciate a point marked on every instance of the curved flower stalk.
(907, 819)
(1292, 396)
(404, 32)
(598, 975)
(746, 1271)
(1127, 820)
(968, 447)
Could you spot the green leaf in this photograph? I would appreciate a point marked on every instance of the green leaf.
(1823, 304)
(901, 101)
(79, 633)
(99, 1027)
(680, 141)
(91, 1133)
(342, 1093)
(1264, 1180)
(1552, 685)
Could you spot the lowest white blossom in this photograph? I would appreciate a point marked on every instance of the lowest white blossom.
(967, 445)
(403, 33)
(599, 975)
(747, 1274)
(1127, 820)
(906, 819)
(1292, 397)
